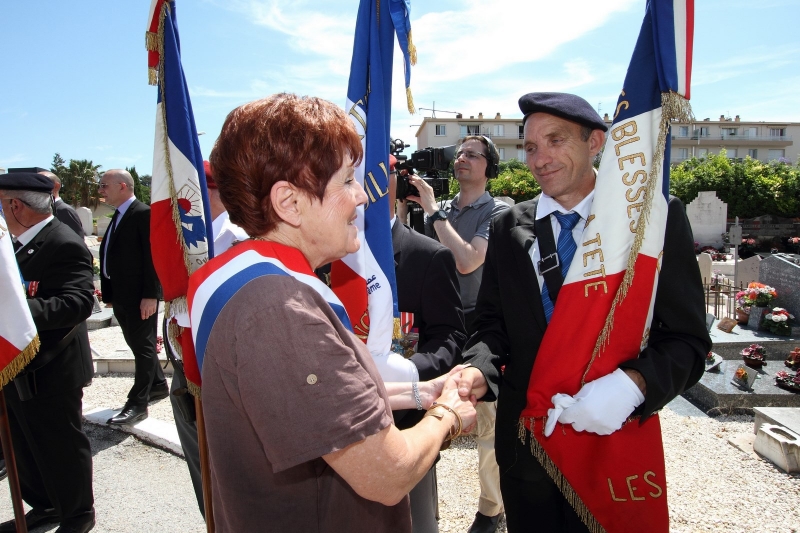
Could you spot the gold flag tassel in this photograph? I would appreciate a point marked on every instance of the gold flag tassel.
(151, 43)
(673, 107)
(412, 50)
(16, 365)
(410, 101)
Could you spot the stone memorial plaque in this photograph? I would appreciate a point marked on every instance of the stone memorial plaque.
(782, 273)
(85, 214)
(747, 271)
(708, 216)
(727, 324)
(714, 362)
(704, 263)
(744, 377)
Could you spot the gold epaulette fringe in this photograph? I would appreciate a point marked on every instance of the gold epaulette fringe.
(673, 107)
(19, 362)
(561, 482)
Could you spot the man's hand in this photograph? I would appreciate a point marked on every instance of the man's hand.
(601, 406)
(426, 199)
(472, 384)
(148, 306)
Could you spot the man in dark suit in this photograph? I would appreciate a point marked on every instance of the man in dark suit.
(427, 287)
(130, 285)
(61, 209)
(44, 404)
(563, 134)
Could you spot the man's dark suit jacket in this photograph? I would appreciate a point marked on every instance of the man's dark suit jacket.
(130, 264)
(510, 325)
(61, 264)
(67, 215)
(427, 286)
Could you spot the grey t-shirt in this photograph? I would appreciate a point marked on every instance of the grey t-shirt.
(470, 221)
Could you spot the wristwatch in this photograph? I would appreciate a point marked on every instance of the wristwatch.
(441, 214)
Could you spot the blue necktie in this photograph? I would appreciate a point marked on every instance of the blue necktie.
(566, 250)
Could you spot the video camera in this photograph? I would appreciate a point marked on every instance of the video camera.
(428, 163)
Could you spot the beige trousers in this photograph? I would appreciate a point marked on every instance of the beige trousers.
(491, 502)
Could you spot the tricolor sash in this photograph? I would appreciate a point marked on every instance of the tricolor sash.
(216, 282)
(617, 482)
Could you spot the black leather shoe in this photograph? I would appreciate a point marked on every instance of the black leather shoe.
(77, 526)
(158, 391)
(484, 524)
(130, 414)
(33, 518)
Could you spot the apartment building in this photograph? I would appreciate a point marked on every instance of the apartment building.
(765, 141)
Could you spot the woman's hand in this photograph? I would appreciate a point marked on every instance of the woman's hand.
(465, 408)
(429, 391)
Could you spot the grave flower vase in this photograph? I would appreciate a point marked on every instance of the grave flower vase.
(756, 314)
(741, 316)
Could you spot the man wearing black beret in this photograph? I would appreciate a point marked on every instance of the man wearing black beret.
(562, 136)
(44, 402)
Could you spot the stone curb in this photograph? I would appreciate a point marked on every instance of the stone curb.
(151, 431)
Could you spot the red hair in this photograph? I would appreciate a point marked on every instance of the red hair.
(302, 140)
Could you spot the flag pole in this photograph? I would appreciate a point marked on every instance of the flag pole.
(205, 469)
(11, 467)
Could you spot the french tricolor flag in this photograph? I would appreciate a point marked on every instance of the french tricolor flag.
(611, 285)
(179, 216)
(365, 281)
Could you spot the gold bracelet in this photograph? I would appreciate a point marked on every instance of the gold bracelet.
(457, 433)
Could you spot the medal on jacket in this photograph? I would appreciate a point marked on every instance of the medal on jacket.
(31, 288)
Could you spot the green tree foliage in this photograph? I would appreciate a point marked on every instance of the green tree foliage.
(750, 188)
(514, 180)
(78, 180)
(140, 190)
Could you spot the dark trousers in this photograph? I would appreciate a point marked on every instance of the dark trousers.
(537, 507)
(424, 499)
(140, 335)
(187, 433)
(53, 454)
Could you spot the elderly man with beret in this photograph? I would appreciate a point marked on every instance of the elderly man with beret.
(563, 134)
(44, 403)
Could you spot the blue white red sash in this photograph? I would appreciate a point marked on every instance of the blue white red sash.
(215, 283)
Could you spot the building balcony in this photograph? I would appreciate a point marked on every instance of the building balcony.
(743, 140)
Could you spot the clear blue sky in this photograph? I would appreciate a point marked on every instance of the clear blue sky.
(74, 73)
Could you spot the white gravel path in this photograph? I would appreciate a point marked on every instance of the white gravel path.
(712, 485)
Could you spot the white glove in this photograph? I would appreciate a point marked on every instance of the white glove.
(560, 402)
(395, 367)
(603, 405)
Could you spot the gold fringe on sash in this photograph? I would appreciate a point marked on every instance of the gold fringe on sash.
(673, 107)
(16, 365)
(558, 478)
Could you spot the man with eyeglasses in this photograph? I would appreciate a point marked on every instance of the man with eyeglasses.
(130, 285)
(464, 229)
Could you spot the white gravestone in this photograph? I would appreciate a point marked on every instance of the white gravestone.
(704, 262)
(85, 214)
(747, 271)
(707, 216)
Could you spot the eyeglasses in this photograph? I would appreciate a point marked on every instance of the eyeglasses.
(469, 154)
(102, 185)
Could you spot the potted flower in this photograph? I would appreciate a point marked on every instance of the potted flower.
(754, 356)
(786, 381)
(740, 377)
(743, 304)
(778, 321)
(793, 361)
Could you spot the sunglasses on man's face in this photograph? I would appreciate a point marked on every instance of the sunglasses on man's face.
(470, 155)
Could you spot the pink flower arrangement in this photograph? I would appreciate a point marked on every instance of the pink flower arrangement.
(756, 294)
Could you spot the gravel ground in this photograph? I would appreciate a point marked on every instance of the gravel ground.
(712, 485)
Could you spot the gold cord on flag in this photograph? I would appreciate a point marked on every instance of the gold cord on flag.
(16, 365)
(151, 41)
(558, 478)
(673, 107)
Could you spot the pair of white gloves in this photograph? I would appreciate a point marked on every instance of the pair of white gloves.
(601, 406)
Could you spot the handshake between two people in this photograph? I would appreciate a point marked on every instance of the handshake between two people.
(601, 406)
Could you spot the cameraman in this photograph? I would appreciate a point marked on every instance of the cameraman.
(464, 229)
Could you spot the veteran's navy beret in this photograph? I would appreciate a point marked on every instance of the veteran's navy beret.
(25, 181)
(563, 105)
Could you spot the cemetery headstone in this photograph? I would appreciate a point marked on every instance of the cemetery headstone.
(102, 225)
(704, 263)
(747, 270)
(784, 275)
(85, 214)
(708, 216)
